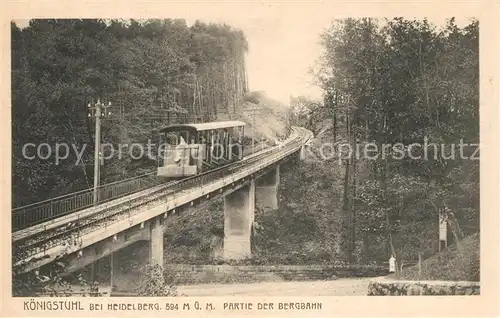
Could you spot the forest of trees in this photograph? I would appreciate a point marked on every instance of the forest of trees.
(389, 82)
(385, 82)
(153, 72)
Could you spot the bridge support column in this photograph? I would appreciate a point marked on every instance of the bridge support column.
(156, 243)
(266, 190)
(302, 153)
(95, 271)
(148, 246)
(95, 268)
(239, 212)
(114, 272)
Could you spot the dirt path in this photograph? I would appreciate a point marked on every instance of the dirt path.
(339, 287)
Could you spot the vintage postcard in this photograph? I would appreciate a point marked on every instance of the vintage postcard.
(250, 158)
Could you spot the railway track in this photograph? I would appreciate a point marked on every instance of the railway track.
(68, 233)
(78, 215)
(33, 215)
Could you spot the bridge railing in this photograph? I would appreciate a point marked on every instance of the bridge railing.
(32, 214)
(201, 180)
(38, 212)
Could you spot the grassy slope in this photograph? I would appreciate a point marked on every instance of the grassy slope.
(454, 263)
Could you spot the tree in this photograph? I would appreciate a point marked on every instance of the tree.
(403, 81)
(154, 72)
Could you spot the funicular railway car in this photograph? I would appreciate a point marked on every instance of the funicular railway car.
(189, 149)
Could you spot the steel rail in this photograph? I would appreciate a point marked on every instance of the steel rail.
(42, 211)
(79, 216)
(60, 231)
(175, 189)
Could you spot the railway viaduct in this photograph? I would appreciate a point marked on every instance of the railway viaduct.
(83, 237)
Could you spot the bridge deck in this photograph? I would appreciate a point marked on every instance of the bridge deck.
(43, 249)
(77, 215)
(72, 206)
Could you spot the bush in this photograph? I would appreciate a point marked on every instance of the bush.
(156, 282)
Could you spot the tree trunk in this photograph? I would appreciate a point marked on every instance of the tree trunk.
(345, 207)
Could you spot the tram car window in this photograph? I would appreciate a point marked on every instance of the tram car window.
(190, 149)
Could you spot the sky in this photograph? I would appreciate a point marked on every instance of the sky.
(283, 42)
(282, 51)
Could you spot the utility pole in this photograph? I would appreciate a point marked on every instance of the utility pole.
(98, 110)
(254, 111)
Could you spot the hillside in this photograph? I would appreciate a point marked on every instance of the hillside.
(197, 237)
(63, 67)
(458, 262)
(270, 116)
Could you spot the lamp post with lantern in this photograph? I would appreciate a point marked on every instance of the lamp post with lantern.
(97, 110)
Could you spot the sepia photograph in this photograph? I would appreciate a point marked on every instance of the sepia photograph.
(243, 155)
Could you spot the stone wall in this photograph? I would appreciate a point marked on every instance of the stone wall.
(191, 274)
(390, 287)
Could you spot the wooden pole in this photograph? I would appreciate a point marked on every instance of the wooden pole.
(420, 264)
(97, 113)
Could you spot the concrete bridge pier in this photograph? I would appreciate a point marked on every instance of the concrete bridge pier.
(121, 280)
(96, 270)
(239, 213)
(302, 153)
(266, 190)
(156, 241)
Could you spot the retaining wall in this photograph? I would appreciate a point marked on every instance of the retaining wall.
(185, 274)
(391, 287)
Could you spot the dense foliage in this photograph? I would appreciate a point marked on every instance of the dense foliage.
(385, 83)
(154, 72)
(389, 83)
